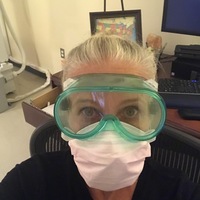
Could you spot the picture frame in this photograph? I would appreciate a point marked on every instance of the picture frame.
(124, 23)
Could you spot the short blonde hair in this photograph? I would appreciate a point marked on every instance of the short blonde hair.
(102, 48)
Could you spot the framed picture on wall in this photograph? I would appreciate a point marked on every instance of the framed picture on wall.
(123, 23)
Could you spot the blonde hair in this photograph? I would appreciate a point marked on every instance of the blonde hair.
(102, 48)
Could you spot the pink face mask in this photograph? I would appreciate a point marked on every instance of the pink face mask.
(108, 162)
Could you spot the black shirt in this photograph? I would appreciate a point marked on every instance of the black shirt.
(55, 176)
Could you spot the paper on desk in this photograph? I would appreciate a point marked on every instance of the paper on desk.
(49, 109)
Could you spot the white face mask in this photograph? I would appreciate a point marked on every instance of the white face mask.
(108, 162)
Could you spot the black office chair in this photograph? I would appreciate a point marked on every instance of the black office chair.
(172, 148)
(176, 149)
(47, 138)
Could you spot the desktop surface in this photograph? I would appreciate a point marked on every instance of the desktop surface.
(174, 120)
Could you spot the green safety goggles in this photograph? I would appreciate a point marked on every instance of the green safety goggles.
(126, 104)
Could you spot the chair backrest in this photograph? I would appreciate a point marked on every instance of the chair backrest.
(47, 138)
(179, 150)
(172, 148)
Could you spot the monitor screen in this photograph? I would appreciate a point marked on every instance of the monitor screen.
(181, 16)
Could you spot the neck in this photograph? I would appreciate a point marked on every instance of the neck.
(123, 193)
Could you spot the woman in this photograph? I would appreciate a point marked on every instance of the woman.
(109, 112)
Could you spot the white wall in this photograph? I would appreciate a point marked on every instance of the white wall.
(44, 26)
(16, 12)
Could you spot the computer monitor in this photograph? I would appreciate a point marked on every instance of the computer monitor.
(181, 16)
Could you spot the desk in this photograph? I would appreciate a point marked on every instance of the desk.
(191, 127)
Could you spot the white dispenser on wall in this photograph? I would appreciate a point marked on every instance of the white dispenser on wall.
(3, 99)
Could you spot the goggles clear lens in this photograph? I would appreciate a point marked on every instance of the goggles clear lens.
(128, 101)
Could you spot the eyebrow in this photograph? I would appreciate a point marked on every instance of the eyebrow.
(126, 101)
(80, 101)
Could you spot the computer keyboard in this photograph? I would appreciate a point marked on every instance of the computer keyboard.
(179, 93)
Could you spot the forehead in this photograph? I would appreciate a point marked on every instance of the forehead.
(107, 68)
(108, 97)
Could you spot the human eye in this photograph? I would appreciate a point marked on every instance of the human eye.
(130, 111)
(90, 113)
(128, 114)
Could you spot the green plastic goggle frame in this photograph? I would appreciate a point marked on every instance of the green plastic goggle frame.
(81, 84)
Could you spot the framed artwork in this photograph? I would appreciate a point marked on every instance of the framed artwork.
(123, 23)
